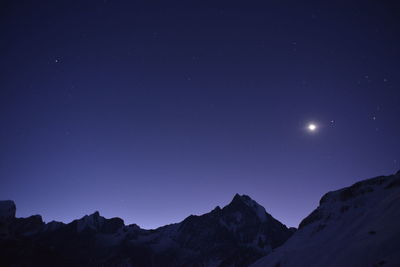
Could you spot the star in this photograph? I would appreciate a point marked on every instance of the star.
(312, 127)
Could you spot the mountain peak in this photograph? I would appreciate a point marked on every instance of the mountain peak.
(243, 198)
(93, 221)
(95, 214)
(251, 204)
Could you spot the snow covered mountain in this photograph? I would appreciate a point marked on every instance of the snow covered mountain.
(235, 235)
(355, 226)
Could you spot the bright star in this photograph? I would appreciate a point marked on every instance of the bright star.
(312, 127)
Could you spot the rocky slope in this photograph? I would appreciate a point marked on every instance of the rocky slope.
(235, 235)
(355, 226)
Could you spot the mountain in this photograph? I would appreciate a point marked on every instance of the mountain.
(356, 226)
(235, 235)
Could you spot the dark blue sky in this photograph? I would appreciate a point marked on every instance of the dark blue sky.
(151, 112)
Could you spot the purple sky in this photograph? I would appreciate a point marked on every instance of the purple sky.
(153, 113)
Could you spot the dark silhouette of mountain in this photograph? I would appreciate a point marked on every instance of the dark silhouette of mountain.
(236, 235)
(356, 226)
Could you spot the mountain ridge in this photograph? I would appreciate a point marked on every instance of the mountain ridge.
(241, 232)
(353, 226)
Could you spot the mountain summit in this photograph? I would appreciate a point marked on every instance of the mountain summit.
(240, 200)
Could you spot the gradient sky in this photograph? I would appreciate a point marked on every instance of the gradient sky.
(152, 112)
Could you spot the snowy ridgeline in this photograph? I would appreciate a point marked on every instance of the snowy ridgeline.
(354, 226)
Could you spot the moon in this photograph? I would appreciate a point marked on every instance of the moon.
(312, 127)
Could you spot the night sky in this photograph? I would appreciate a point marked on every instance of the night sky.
(152, 112)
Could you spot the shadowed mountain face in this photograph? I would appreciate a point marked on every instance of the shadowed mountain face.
(356, 226)
(235, 235)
